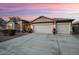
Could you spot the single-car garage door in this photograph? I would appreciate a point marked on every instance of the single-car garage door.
(64, 28)
(43, 28)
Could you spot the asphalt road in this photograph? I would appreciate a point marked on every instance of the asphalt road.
(41, 44)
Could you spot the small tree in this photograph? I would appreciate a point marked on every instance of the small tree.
(15, 19)
(2, 22)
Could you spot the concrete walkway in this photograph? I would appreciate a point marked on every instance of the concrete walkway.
(41, 44)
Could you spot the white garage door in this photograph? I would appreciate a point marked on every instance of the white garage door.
(43, 28)
(64, 28)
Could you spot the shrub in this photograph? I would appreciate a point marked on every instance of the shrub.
(9, 32)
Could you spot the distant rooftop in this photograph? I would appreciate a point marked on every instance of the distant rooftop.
(25, 21)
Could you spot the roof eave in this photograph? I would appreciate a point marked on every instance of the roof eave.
(41, 17)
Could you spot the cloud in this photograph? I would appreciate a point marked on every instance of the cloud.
(31, 12)
(36, 9)
(36, 6)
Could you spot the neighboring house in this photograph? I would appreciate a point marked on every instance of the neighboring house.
(75, 27)
(21, 25)
(46, 25)
(10, 25)
(24, 25)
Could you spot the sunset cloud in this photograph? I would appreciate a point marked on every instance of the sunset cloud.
(30, 11)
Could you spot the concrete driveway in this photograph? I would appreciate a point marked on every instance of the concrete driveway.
(41, 44)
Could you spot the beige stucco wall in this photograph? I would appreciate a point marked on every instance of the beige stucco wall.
(21, 25)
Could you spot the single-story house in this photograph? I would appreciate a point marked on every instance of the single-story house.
(44, 24)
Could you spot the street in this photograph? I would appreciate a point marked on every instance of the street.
(41, 44)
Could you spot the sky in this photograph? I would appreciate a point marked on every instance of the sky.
(30, 11)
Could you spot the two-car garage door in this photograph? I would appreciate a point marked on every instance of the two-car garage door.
(43, 28)
(64, 28)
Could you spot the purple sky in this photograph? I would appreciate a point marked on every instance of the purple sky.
(30, 11)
